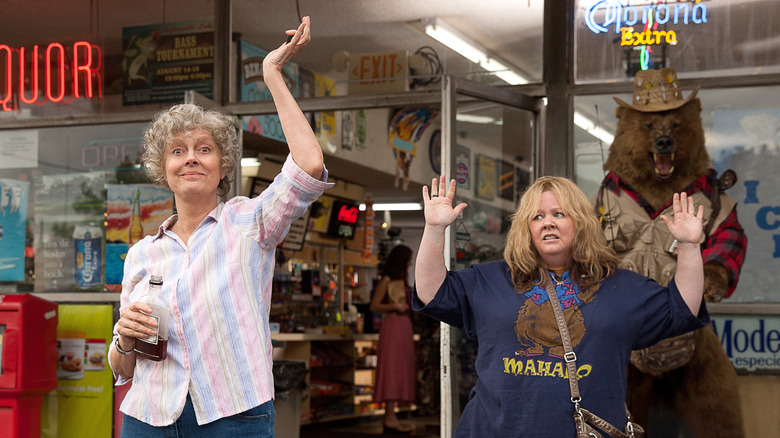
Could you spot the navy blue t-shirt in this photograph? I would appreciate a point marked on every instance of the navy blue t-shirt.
(522, 387)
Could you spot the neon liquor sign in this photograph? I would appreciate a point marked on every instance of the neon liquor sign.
(73, 71)
(603, 14)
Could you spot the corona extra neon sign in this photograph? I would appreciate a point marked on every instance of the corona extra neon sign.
(603, 14)
(72, 71)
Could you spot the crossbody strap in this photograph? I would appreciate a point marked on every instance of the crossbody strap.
(571, 365)
(568, 352)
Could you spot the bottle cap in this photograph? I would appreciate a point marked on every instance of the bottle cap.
(156, 279)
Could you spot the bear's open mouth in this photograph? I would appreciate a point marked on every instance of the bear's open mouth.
(663, 164)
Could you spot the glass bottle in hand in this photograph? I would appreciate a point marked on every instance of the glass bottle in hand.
(155, 347)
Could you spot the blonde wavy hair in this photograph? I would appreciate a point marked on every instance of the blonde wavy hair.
(187, 117)
(592, 259)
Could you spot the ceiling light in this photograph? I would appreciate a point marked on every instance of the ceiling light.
(399, 206)
(592, 129)
(472, 51)
(482, 120)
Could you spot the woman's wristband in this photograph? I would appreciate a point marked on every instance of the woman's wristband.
(119, 348)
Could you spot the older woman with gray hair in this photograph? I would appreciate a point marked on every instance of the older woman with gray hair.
(216, 260)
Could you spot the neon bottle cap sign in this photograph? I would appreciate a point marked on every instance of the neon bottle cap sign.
(54, 73)
(604, 15)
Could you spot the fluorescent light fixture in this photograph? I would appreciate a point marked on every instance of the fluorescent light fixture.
(482, 120)
(399, 206)
(591, 128)
(472, 51)
(440, 31)
(250, 162)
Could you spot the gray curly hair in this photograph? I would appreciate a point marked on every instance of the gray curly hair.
(188, 117)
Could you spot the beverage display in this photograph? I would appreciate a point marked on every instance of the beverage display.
(155, 347)
(136, 230)
(88, 263)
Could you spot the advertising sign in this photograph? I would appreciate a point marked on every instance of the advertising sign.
(343, 219)
(300, 82)
(13, 228)
(69, 216)
(253, 89)
(161, 61)
(53, 73)
(132, 212)
(752, 342)
(746, 141)
(82, 404)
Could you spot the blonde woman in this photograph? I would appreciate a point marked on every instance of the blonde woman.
(522, 387)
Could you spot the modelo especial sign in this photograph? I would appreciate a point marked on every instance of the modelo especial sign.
(752, 342)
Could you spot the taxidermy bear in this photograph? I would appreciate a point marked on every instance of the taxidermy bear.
(684, 386)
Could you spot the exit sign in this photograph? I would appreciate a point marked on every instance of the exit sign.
(379, 72)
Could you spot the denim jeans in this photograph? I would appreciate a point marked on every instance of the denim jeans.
(256, 422)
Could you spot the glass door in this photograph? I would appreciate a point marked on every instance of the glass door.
(490, 140)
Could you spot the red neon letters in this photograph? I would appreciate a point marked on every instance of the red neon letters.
(69, 71)
(348, 214)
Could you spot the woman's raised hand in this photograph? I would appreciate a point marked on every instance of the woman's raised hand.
(282, 54)
(438, 204)
(686, 225)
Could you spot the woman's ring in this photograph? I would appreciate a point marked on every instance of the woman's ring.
(433, 196)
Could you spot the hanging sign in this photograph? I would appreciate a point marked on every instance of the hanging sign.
(343, 218)
(385, 72)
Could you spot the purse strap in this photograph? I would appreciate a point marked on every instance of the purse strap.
(571, 366)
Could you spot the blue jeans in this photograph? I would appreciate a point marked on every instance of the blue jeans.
(256, 422)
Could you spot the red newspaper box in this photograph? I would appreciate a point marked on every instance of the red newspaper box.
(28, 362)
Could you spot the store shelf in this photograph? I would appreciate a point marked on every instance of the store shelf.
(348, 384)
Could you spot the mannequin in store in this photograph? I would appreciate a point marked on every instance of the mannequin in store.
(395, 373)
(555, 243)
(216, 260)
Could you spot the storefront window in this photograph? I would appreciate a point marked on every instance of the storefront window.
(91, 57)
(73, 199)
(740, 126)
(370, 48)
(615, 38)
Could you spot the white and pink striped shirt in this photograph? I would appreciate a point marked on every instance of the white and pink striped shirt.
(218, 287)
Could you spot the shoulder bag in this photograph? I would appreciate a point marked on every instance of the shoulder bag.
(584, 420)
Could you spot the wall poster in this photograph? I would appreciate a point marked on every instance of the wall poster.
(68, 230)
(82, 403)
(506, 180)
(746, 141)
(463, 169)
(486, 177)
(132, 212)
(162, 61)
(13, 228)
(253, 89)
